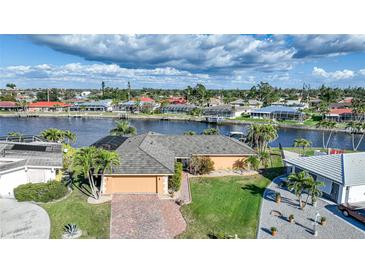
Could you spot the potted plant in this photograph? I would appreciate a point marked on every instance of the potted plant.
(323, 220)
(291, 218)
(277, 197)
(274, 231)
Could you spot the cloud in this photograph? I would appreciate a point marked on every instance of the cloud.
(336, 75)
(194, 53)
(326, 45)
(96, 73)
(362, 72)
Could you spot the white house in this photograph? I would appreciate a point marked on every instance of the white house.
(21, 163)
(343, 174)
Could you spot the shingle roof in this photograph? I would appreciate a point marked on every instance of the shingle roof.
(50, 155)
(347, 169)
(153, 153)
(136, 159)
(185, 146)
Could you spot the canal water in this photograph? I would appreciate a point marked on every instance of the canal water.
(88, 130)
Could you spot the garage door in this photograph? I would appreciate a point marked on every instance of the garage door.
(130, 185)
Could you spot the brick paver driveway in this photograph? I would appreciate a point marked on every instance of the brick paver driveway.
(337, 227)
(138, 216)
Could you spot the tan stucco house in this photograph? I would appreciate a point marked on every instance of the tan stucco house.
(147, 160)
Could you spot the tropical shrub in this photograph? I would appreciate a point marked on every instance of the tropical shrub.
(201, 165)
(253, 162)
(175, 180)
(40, 192)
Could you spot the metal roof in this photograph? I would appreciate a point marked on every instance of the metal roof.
(347, 169)
(275, 108)
(101, 103)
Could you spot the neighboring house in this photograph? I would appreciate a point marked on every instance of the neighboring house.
(278, 113)
(85, 94)
(147, 160)
(215, 101)
(21, 163)
(224, 111)
(343, 174)
(177, 108)
(9, 105)
(343, 115)
(47, 106)
(137, 104)
(102, 105)
(315, 103)
(175, 100)
(297, 104)
(251, 103)
(340, 105)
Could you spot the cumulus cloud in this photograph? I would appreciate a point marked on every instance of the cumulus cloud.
(195, 53)
(326, 45)
(96, 73)
(336, 75)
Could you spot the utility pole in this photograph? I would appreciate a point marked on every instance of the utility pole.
(48, 94)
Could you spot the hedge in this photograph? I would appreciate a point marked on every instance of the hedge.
(175, 180)
(40, 192)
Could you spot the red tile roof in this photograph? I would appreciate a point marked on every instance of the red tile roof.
(340, 111)
(47, 104)
(176, 100)
(7, 104)
(146, 99)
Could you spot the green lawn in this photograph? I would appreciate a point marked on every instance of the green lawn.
(228, 205)
(93, 220)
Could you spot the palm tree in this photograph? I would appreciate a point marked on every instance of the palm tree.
(92, 162)
(314, 191)
(71, 137)
(123, 128)
(328, 125)
(264, 158)
(298, 182)
(253, 162)
(356, 128)
(303, 143)
(53, 135)
(106, 161)
(260, 135)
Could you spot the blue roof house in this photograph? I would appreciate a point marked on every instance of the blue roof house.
(278, 113)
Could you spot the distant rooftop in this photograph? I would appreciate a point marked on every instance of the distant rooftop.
(276, 108)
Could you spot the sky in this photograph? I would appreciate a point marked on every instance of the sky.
(176, 61)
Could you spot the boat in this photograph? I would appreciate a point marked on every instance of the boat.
(214, 119)
(240, 136)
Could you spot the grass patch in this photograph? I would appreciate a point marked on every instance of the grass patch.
(93, 220)
(224, 204)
